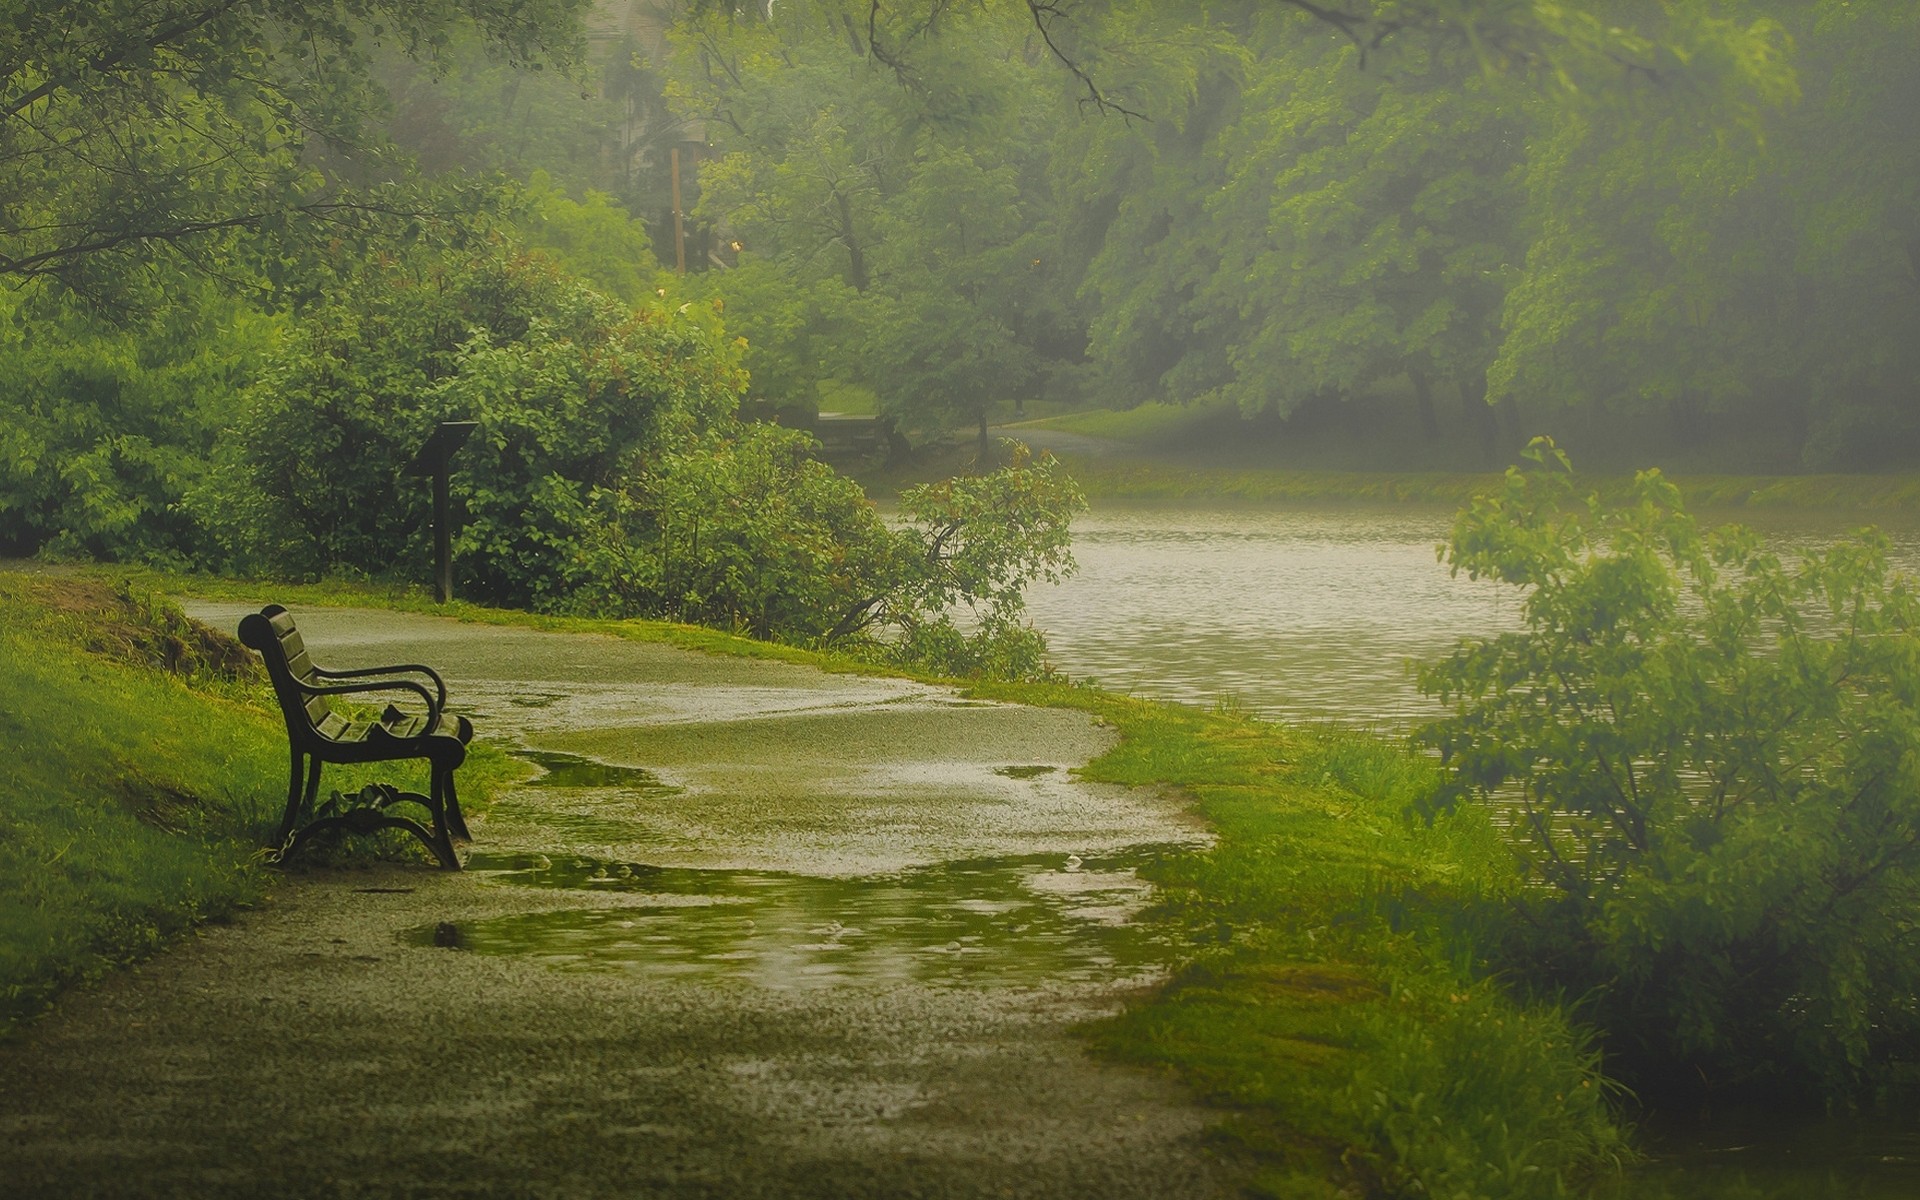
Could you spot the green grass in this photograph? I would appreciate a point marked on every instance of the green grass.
(134, 799)
(852, 399)
(1145, 426)
(1340, 1010)
(129, 808)
(1145, 480)
(1162, 448)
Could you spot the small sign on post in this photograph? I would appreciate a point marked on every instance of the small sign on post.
(435, 459)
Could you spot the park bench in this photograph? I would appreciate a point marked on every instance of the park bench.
(318, 734)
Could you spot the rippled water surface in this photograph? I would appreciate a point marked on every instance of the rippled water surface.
(1307, 615)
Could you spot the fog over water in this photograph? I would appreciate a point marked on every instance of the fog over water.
(1305, 615)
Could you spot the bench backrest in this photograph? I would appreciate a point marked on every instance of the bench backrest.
(271, 631)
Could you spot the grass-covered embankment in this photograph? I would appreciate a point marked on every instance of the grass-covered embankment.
(1340, 1008)
(1167, 454)
(141, 768)
(130, 799)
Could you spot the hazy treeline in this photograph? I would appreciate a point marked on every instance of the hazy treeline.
(1705, 228)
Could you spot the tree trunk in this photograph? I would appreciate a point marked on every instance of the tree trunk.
(1423, 397)
(856, 260)
(1689, 420)
(1481, 418)
(984, 463)
(1510, 412)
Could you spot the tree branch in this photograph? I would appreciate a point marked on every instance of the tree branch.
(112, 58)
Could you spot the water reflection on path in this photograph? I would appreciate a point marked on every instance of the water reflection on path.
(1303, 615)
(1038, 920)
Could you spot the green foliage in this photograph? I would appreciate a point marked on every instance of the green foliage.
(570, 390)
(1712, 761)
(747, 531)
(1339, 1009)
(891, 236)
(1679, 226)
(593, 239)
(978, 542)
(105, 429)
(175, 132)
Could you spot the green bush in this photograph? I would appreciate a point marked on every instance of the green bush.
(571, 392)
(105, 428)
(744, 530)
(1711, 760)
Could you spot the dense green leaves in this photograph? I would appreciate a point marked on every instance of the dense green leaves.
(571, 392)
(1680, 227)
(137, 133)
(890, 221)
(1712, 758)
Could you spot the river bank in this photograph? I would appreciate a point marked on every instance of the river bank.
(1163, 454)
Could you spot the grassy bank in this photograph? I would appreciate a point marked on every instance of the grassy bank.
(1145, 481)
(1339, 1009)
(1161, 453)
(141, 768)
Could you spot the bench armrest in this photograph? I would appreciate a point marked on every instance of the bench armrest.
(378, 685)
(439, 684)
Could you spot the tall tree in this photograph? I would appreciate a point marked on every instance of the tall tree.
(892, 202)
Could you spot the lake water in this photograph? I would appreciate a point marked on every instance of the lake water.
(1315, 615)
(1307, 615)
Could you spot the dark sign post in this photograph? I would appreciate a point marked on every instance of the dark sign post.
(435, 459)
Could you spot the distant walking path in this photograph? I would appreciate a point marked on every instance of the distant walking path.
(758, 931)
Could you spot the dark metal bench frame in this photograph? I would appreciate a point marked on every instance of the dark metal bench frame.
(317, 735)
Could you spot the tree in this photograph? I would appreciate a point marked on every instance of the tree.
(1711, 759)
(136, 133)
(888, 232)
(1717, 283)
(1363, 226)
(106, 429)
(571, 392)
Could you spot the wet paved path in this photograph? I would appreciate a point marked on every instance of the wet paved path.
(758, 931)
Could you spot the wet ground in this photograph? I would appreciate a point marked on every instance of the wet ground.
(755, 930)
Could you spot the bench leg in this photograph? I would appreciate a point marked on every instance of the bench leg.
(366, 820)
(447, 821)
(456, 822)
(303, 787)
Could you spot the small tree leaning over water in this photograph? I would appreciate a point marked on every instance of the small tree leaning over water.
(1712, 762)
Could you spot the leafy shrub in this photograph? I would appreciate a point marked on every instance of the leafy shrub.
(1712, 761)
(104, 429)
(571, 392)
(744, 530)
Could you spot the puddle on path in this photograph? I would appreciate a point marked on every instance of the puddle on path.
(1027, 772)
(1027, 921)
(559, 770)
